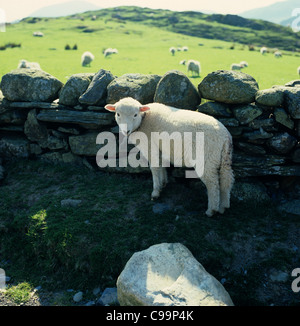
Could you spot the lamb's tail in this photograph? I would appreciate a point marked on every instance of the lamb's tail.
(226, 174)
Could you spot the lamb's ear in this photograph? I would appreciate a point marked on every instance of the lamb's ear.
(144, 108)
(110, 107)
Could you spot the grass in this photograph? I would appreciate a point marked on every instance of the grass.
(45, 244)
(142, 49)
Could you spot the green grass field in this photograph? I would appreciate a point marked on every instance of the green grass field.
(142, 49)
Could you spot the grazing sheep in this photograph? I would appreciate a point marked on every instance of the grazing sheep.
(244, 63)
(86, 59)
(263, 50)
(185, 48)
(156, 118)
(172, 50)
(298, 70)
(182, 62)
(236, 66)
(29, 65)
(194, 67)
(109, 51)
(38, 34)
(277, 54)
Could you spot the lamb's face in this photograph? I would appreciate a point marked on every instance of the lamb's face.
(128, 114)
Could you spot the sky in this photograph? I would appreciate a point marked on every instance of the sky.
(16, 9)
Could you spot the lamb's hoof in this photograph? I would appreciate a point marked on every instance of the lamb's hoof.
(222, 210)
(210, 212)
(154, 195)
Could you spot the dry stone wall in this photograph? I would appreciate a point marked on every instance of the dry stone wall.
(42, 117)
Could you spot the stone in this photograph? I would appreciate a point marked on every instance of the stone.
(292, 101)
(229, 87)
(290, 207)
(108, 297)
(34, 130)
(266, 124)
(245, 114)
(96, 92)
(279, 276)
(250, 192)
(250, 148)
(229, 122)
(138, 86)
(257, 134)
(84, 144)
(269, 97)
(78, 297)
(167, 274)
(283, 118)
(282, 143)
(14, 146)
(30, 85)
(175, 89)
(293, 83)
(75, 86)
(215, 109)
(13, 117)
(70, 202)
(86, 119)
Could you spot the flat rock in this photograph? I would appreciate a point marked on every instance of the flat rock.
(247, 113)
(215, 109)
(138, 86)
(30, 85)
(292, 101)
(175, 89)
(167, 274)
(282, 143)
(228, 87)
(269, 97)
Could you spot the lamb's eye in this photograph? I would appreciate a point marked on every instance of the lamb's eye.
(135, 115)
(118, 114)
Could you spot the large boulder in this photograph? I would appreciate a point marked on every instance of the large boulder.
(30, 85)
(292, 101)
(167, 274)
(231, 87)
(96, 92)
(140, 87)
(75, 86)
(175, 89)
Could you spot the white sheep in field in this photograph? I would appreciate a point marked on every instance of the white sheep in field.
(263, 50)
(244, 63)
(109, 51)
(185, 48)
(86, 59)
(277, 54)
(29, 65)
(298, 70)
(135, 119)
(194, 67)
(237, 66)
(172, 50)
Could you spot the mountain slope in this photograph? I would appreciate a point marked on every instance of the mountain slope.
(278, 12)
(64, 9)
(231, 28)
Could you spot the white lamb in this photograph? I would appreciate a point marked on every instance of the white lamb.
(193, 66)
(86, 59)
(263, 50)
(185, 48)
(109, 51)
(244, 63)
(277, 54)
(172, 50)
(237, 66)
(216, 172)
(29, 65)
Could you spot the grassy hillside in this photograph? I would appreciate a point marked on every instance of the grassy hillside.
(143, 46)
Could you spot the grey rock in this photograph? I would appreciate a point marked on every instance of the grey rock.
(75, 86)
(292, 101)
(86, 119)
(84, 144)
(30, 85)
(270, 97)
(245, 114)
(250, 148)
(96, 92)
(70, 202)
(138, 86)
(14, 146)
(228, 87)
(266, 124)
(13, 117)
(293, 83)
(282, 143)
(215, 109)
(229, 122)
(34, 130)
(175, 89)
(257, 134)
(109, 297)
(283, 118)
(78, 297)
(167, 274)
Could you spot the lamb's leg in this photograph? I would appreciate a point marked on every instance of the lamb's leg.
(157, 174)
(211, 182)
